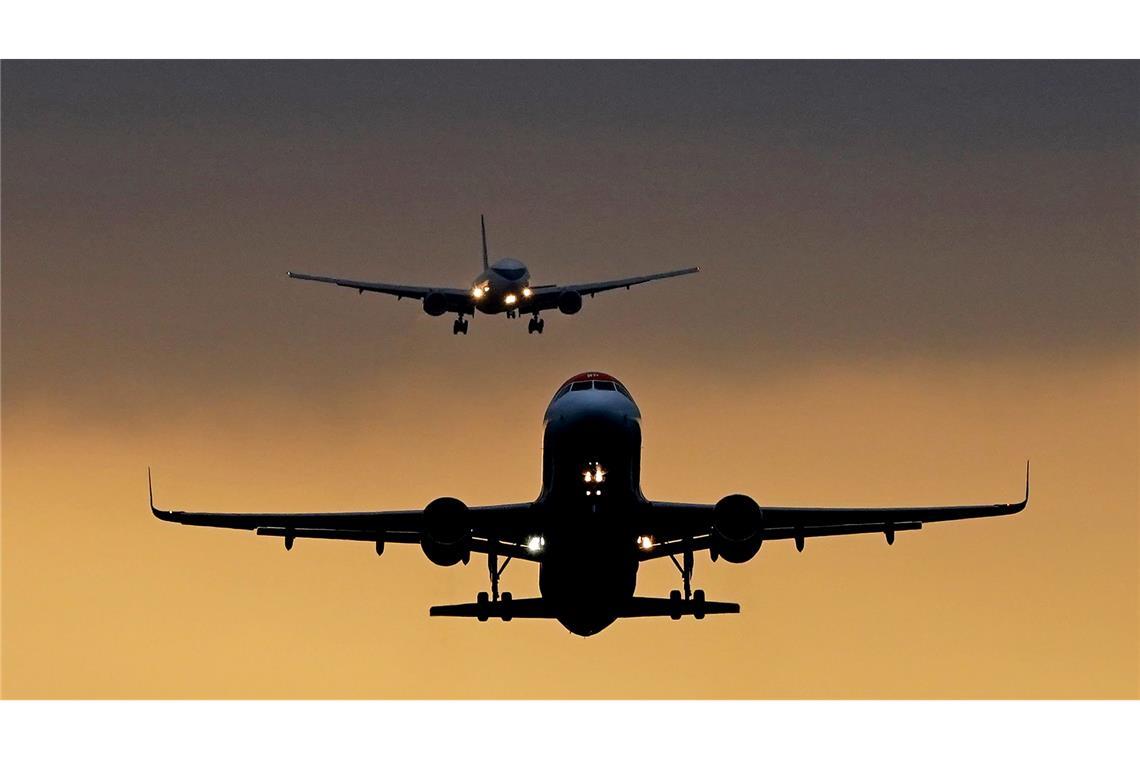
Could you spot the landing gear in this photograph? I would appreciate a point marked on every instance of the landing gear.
(535, 325)
(495, 571)
(512, 314)
(685, 567)
(459, 326)
(699, 604)
(686, 571)
(483, 600)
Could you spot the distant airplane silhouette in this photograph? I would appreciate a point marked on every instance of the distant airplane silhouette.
(590, 527)
(501, 288)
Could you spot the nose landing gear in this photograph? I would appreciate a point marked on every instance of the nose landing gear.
(535, 325)
(459, 326)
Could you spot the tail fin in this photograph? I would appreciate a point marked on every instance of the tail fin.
(483, 226)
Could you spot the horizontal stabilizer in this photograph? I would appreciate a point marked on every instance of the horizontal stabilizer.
(645, 606)
(638, 606)
(514, 608)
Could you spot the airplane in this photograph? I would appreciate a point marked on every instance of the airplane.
(590, 527)
(501, 288)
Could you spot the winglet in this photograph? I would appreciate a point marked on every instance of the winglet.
(1026, 500)
(483, 227)
(159, 513)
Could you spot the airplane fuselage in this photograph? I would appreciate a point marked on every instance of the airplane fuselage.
(591, 472)
(502, 287)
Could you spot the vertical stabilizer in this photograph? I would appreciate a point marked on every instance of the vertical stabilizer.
(483, 226)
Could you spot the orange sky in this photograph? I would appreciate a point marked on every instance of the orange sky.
(101, 600)
(902, 297)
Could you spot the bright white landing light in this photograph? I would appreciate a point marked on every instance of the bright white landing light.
(510, 299)
(645, 542)
(534, 544)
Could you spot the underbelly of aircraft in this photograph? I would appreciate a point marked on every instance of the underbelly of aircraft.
(587, 577)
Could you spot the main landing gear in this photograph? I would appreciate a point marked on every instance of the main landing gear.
(535, 325)
(495, 571)
(459, 326)
(696, 597)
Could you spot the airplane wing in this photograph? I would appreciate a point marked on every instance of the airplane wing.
(454, 299)
(677, 527)
(546, 296)
(500, 529)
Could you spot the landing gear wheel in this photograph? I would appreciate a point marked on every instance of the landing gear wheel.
(481, 601)
(459, 326)
(675, 604)
(531, 327)
(541, 324)
(506, 602)
(699, 604)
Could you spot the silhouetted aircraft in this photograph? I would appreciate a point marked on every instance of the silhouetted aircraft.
(502, 288)
(590, 527)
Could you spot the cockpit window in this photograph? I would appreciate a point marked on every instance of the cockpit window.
(598, 385)
(511, 273)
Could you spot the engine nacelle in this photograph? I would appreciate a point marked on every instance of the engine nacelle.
(570, 302)
(446, 539)
(435, 303)
(737, 520)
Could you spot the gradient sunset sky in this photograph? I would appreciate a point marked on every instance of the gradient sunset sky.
(914, 277)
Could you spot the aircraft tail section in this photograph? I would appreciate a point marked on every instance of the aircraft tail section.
(483, 227)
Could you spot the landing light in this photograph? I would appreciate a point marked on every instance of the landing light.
(526, 292)
(510, 299)
(645, 542)
(534, 544)
(477, 292)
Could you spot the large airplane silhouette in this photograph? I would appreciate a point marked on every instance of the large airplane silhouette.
(590, 527)
(501, 288)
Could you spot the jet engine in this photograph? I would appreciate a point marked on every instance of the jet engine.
(737, 520)
(435, 303)
(570, 302)
(446, 538)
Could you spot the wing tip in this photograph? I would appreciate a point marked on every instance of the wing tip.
(1020, 505)
(1025, 500)
(161, 514)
